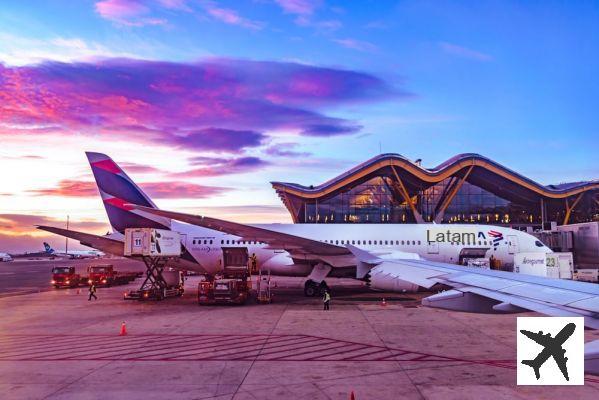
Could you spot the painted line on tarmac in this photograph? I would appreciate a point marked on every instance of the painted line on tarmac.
(214, 347)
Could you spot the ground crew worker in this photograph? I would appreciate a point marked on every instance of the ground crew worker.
(92, 292)
(327, 299)
(254, 263)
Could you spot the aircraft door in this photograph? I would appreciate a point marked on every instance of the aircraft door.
(512, 242)
(235, 257)
(183, 241)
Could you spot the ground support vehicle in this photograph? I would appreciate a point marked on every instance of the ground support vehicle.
(160, 283)
(106, 275)
(233, 286)
(66, 277)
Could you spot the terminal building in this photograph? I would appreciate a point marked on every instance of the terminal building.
(467, 188)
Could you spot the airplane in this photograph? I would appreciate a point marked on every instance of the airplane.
(392, 257)
(312, 250)
(72, 254)
(552, 348)
(4, 257)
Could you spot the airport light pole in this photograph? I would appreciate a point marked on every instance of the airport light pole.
(66, 241)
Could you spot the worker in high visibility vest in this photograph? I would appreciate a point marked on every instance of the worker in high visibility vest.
(92, 292)
(254, 263)
(327, 299)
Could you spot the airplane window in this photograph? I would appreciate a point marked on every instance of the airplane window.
(402, 242)
(194, 242)
(370, 242)
(413, 242)
(210, 241)
(336, 242)
(222, 241)
(353, 242)
(419, 243)
(397, 242)
(538, 243)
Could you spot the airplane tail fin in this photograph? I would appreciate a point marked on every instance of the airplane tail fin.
(534, 366)
(117, 190)
(48, 248)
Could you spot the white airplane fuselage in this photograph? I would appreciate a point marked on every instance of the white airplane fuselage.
(444, 243)
(79, 254)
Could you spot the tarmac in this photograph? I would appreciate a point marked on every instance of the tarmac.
(56, 344)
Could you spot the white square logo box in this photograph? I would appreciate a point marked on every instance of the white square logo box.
(537, 349)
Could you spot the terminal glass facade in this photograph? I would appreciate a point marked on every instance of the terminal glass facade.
(378, 200)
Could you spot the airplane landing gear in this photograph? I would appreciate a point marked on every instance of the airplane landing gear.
(312, 289)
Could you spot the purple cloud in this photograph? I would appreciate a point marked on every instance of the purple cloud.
(216, 166)
(126, 12)
(286, 150)
(216, 104)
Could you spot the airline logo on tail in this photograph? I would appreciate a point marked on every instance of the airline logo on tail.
(117, 190)
(49, 249)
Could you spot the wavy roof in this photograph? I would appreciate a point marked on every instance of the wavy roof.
(485, 170)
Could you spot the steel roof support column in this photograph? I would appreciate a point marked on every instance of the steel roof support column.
(569, 208)
(407, 198)
(447, 200)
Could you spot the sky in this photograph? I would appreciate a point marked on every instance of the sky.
(204, 102)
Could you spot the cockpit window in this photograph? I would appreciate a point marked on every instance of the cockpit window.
(538, 243)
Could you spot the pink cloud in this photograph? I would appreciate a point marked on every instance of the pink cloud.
(159, 190)
(464, 52)
(25, 223)
(300, 7)
(222, 105)
(126, 12)
(231, 17)
(359, 45)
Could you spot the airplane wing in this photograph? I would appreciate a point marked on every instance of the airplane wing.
(102, 243)
(560, 360)
(480, 290)
(543, 340)
(292, 243)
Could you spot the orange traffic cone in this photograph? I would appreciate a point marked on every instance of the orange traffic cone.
(352, 396)
(384, 303)
(123, 329)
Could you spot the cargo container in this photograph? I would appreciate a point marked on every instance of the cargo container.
(152, 242)
(550, 265)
